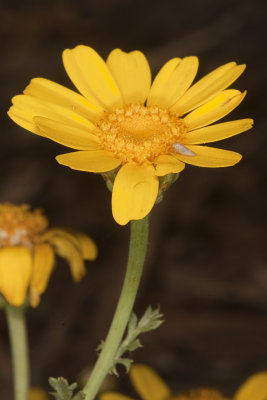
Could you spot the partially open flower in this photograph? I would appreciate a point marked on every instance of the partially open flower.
(121, 121)
(150, 386)
(27, 252)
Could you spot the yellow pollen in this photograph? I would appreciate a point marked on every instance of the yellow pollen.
(20, 226)
(138, 133)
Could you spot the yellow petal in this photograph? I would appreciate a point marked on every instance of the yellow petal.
(208, 87)
(172, 81)
(90, 74)
(66, 249)
(254, 388)
(43, 262)
(148, 383)
(90, 161)
(37, 393)
(88, 246)
(15, 273)
(113, 396)
(167, 164)
(215, 109)
(134, 192)
(52, 92)
(210, 157)
(217, 132)
(132, 74)
(84, 243)
(70, 136)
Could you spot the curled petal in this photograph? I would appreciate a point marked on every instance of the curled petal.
(132, 74)
(134, 192)
(88, 246)
(66, 249)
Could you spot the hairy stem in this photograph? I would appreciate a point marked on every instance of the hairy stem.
(19, 349)
(137, 253)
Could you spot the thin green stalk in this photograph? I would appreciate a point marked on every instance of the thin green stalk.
(19, 348)
(137, 253)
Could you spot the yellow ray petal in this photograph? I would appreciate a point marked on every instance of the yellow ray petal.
(254, 388)
(80, 240)
(15, 273)
(66, 249)
(167, 164)
(172, 81)
(66, 134)
(90, 161)
(132, 74)
(113, 396)
(208, 87)
(217, 132)
(210, 157)
(52, 92)
(88, 246)
(215, 109)
(148, 383)
(43, 262)
(134, 192)
(90, 74)
(37, 393)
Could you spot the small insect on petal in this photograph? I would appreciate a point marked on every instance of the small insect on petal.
(180, 148)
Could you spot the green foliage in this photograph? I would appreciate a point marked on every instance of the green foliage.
(64, 391)
(151, 320)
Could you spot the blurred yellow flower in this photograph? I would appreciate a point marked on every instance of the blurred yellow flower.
(27, 252)
(150, 386)
(121, 121)
(37, 393)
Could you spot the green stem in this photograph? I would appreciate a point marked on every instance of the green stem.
(137, 253)
(19, 348)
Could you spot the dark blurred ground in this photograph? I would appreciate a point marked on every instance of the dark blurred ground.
(207, 264)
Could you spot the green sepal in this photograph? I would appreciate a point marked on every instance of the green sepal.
(164, 183)
(64, 390)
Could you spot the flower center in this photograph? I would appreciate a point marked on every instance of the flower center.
(138, 133)
(20, 226)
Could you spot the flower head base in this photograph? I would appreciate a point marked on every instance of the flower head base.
(27, 252)
(123, 122)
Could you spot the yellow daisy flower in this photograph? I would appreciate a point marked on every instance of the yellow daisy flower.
(27, 252)
(150, 386)
(121, 121)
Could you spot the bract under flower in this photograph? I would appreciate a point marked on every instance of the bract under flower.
(122, 121)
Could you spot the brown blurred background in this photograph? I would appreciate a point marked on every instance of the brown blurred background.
(207, 264)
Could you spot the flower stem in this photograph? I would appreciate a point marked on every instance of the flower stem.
(19, 348)
(137, 253)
